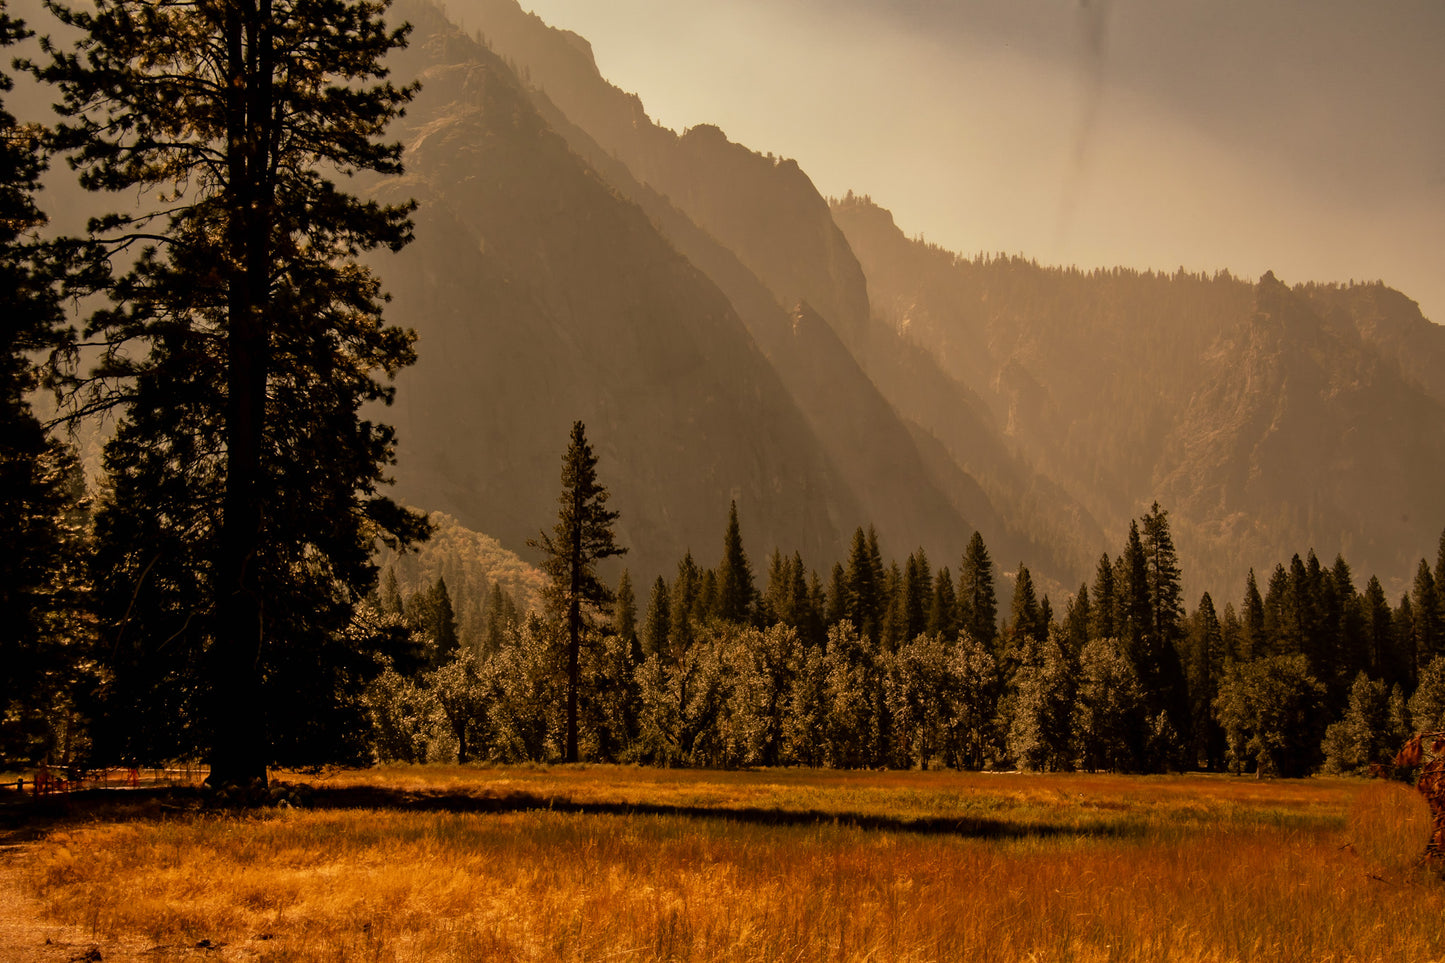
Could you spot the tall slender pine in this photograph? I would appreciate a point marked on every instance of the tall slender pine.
(580, 539)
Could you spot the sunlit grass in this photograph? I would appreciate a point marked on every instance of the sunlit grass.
(1094, 868)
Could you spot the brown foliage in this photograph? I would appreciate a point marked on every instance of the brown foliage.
(1429, 782)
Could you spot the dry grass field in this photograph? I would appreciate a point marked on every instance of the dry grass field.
(615, 863)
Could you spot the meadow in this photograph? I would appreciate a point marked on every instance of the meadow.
(620, 863)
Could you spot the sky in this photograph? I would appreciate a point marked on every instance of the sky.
(1305, 137)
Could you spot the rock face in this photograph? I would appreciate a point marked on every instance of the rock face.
(727, 333)
(1268, 419)
(541, 297)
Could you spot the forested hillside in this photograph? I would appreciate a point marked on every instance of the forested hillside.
(1043, 406)
(1264, 416)
(484, 581)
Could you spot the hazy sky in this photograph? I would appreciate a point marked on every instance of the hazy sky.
(1302, 136)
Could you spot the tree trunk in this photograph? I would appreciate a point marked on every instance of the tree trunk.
(238, 752)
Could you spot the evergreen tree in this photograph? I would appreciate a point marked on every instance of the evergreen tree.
(705, 607)
(580, 539)
(808, 619)
(1105, 603)
(1281, 621)
(244, 339)
(1232, 633)
(1076, 619)
(391, 603)
(917, 594)
(1440, 569)
(1251, 622)
(1379, 635)
(1136, 610)
(815, 626)
(441, 620)
(1204, 670)
(657, 625)
(778, 602)
(624, 616)
(943, 609)
(1025, 619)
(977, 600)
(894, 628)
(501, 616)
(735, 590)
(1429, 621)
(836, 609)
(866, 601)
(1166, 600)
(1353, 640)
(790, 600)
(1325, 626)
(1403, 638)
(39, 483)
(1161, 641)
(683, 610)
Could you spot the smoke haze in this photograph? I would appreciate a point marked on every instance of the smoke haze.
(1303, 138)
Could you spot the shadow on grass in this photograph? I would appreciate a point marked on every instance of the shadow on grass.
(967, 826)
(26, 819)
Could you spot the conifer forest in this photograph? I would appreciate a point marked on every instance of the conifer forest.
(312, 311)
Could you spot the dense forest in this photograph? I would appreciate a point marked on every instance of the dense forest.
(239, 587)
(889, 664)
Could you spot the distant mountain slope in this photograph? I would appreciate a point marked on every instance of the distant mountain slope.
(472, 564)
(540, 296)
(870, 444)
(1267, 419)
(760, 229)
(926, 393)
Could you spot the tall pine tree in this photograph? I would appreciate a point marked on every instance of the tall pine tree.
(244, 338)
(581, 537)
(977, 599)
(735, 590)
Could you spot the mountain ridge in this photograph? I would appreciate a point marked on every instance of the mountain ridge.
(1044, 407)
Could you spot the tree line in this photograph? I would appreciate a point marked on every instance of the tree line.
(903, 665)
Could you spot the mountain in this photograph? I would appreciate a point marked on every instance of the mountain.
(548, 283)
(540, 297)
(1268, 419)
(727, 332)
(758, 227)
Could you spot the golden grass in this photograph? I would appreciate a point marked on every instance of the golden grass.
(786, 867)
